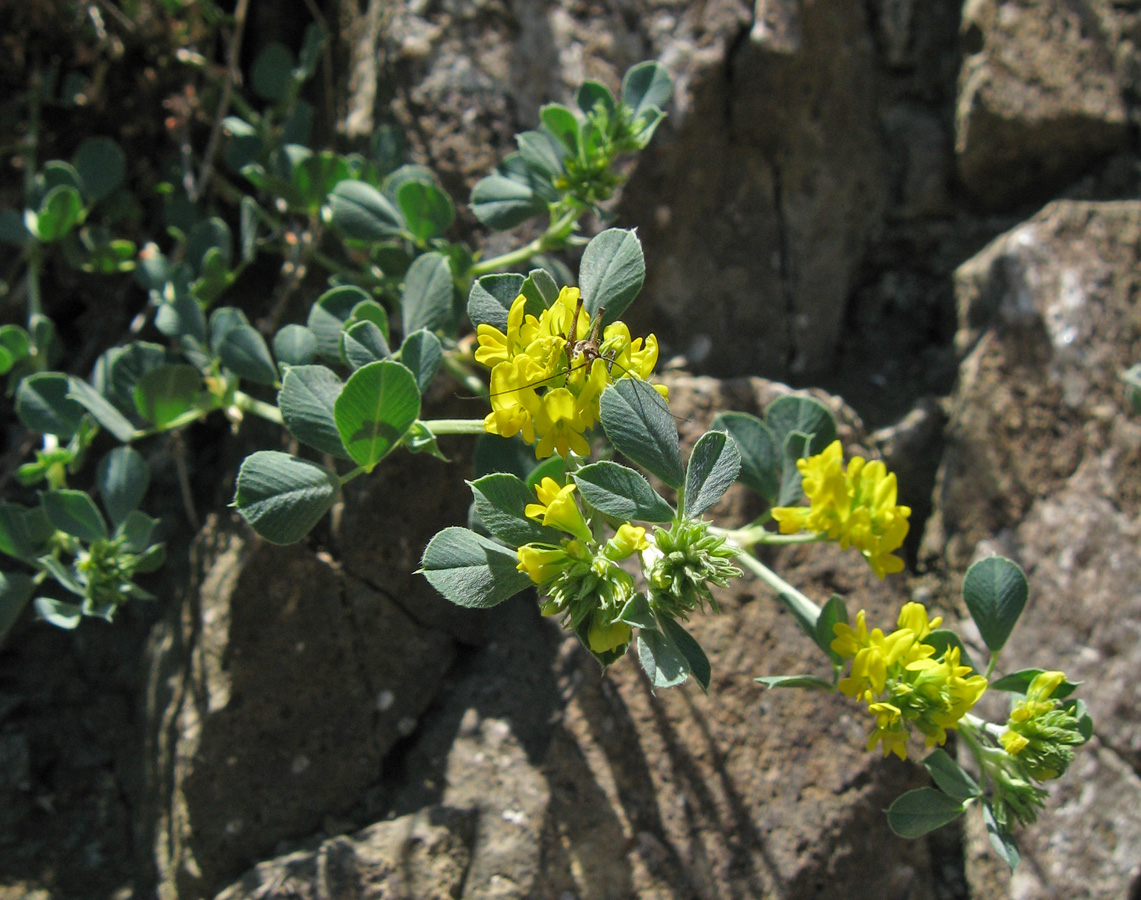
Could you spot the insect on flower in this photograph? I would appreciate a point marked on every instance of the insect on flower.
(546, 380)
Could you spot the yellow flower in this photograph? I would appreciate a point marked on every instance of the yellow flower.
(856, 507)
(542, 563)
(628, 540)
(889, 731)
(538, 391)
(604, 638)
(556, 508)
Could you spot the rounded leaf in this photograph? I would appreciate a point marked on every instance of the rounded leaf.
(377, 406)
(272, 72)
(74, 513)
(102, 166)
(638, 423)
(920, 811)
(472, 570)
(995, 591)
(165, 393)
(363, 213)
(307, 398)
(612, 272)
(328, 315)
(427, 298)
(427, 210)
(295, 345)
(363, 342)
(618, 491)
(713, 466)
(60, 211)
(491, 297)
(422, 353)
(501, 202)
(283, 497)
(121, 479)
(760, 461)
(43, 405)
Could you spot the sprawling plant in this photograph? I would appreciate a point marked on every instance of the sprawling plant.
(621, 561)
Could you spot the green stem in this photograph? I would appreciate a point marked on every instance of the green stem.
(520, 255)
(798, 604)
(267, 411)
(454, 426)
(752, 535)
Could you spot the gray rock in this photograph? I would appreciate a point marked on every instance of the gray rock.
(1039, 98)
(1042, 464)
(272, 703)
(425, 854)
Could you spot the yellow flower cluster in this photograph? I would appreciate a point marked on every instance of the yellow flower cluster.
(856, 507)
(582, 580)
(538, 391)
(1041, 731)
(901, 681)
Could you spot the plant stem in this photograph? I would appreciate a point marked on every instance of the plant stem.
(454, 426)
(798, 604)
(521, 254)
(267, 411)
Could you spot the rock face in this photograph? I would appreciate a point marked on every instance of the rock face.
(1043, 465)
(1040, 93)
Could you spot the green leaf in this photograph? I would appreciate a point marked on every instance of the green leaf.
(491, 297)
(620, 492)
(427, 298)
(661, 659)
(645, 86)
(179, 315)
(378, 405)
(16, 590)
(427, 210)
(1002, 842)
(995, 591)
(471, 570)
(420, 439)
(696, 660)
(317, 175)
(74, 513)
(500, 501)
(210, 238)
(363, 213)
(137, 528)
(612, 272)
(422, 353)
(809, 682)
(795, 414)
(43, 404)
(295, 345)
(15, 345)
(310, 55)
(591, 95)
(502, 203)
(283, 497)
(328, 315)
(791, 482)
(833, 612)
(713, 466)
(362, 343)
(541, 291)
(121, 479)
(541, 152)
(23, 531)
(101, 165)
(638, 614)
(371, 311)
(1019, 683)
(307, 399)
(62, 615)
(60, 211)
(950, 777)
(639, 424)
(272, 72)
(561, 122)
(243, 351)
(943, 639)
(760, 460)
(65, 575)
(917, 812)
(165, 393)
(118, 371)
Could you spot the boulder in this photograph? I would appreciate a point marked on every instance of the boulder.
(274, 697)
(1043, 465)
(1039, 96)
